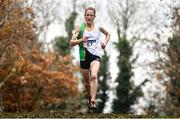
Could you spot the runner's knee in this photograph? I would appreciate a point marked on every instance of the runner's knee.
(94, 75)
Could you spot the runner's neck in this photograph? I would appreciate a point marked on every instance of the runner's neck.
(90, 27)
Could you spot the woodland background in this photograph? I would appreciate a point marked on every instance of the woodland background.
(39, 75)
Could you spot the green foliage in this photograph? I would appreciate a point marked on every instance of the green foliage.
(62, 45)
(124, 48)
(126, 94)
(61, 42)
(104, 75)
(69, 25)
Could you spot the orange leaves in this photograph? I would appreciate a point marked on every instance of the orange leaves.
(3, 5)
(29, 10)
(6, 31)
(3, 73)
(38, 77)
(45, 77)
(16, 23)
(5, 2)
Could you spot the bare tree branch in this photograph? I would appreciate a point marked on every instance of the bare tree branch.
(8, 77)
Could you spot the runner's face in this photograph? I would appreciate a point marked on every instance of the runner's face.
(89, 16)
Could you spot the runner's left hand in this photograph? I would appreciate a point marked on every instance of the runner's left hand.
(103, 45)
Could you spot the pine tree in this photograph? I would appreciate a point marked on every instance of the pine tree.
(61, 42)
(104, 75)
(69, 25)
(123, 18)
(125, 91)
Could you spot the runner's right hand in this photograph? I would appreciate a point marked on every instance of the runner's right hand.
(85, 39)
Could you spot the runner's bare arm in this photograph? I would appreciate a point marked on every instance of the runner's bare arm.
(74, 41)
(107, 37)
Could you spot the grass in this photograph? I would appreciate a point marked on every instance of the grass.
(63, 114)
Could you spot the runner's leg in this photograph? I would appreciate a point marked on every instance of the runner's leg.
(86, 76)
(94, 79)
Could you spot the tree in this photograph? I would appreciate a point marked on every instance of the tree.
(171, 65)
(164, 45)
(123, 17)
(165, 67)
(30, 80)
(126, 95)
(172, 71)
(46, 15)
(62, 43)
(104, 76)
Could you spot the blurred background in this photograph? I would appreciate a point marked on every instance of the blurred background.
(140, 67)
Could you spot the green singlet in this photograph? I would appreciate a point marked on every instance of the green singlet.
(81, 47)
